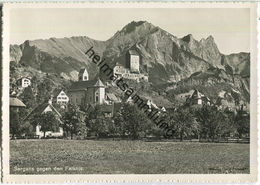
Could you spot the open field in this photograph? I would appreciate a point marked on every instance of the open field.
(120, 157)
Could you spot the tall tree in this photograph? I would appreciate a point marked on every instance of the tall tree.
(28, 97)
(26, 128)
(183, 123)
(119, 123)
(113, 130)
(44, 90)
(14, 123)
(47, 121)
(213, 122)
(99, 124)
(242, 122)
(73, 120)
(136, 123)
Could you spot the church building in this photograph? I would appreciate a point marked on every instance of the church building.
(85, 91)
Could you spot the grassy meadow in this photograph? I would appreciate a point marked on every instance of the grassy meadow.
(126, 157)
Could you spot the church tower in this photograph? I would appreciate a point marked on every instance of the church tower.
(99, 92)
(83, 75)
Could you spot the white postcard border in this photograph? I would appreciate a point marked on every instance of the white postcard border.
(195, 178)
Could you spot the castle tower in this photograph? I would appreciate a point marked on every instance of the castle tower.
(133, 60)
(83, 75)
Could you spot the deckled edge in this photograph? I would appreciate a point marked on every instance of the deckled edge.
(1, 76)
(128, 181)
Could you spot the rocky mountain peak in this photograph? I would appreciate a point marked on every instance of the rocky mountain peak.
(210, 38)
(188, 38)
(132, 25)
(137, 27)
(209, 41)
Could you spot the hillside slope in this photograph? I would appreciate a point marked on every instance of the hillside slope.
(166, 58)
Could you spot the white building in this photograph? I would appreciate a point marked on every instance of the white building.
(61, 98)
(24, 82)
(119, 69)
(83, 75)
(197, 98)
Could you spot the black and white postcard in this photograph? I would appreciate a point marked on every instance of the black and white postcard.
(129, 92)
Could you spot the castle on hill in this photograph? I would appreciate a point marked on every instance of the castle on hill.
(131, 69)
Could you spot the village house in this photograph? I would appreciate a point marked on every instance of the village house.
(244, 106)
(151, 104)
(84, 91)
(41, 109)
(160, 104)
(163, 109)
(222, 103)
(16, 104)
(226, 101)
(131, 69)
(60, 98)
(24, 82)
(197, 98)
(111, 98)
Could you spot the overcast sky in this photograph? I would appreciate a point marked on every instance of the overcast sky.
(229, 27)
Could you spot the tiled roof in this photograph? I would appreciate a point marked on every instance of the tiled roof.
(82, 70)
(112, 97)
(120, 65)
(82, 85)
(56, 92)
(29, 78)
(133, 52)
(39, 110)
(196, 94)
(86, 84)
(15, 102)
(99, 83)
(20, 79)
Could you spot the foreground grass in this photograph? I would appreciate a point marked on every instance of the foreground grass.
(131, 157)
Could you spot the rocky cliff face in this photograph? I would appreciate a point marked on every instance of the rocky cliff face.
(237, 63)
(15, 53)
(165, 57)
(61, 56)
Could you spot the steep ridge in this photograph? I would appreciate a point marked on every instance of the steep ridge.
(166, 58)
(237, 63)
(61, 56)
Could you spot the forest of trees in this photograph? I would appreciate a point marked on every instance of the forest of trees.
(206, 122)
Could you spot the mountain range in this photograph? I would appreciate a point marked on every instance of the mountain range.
(169, 61)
